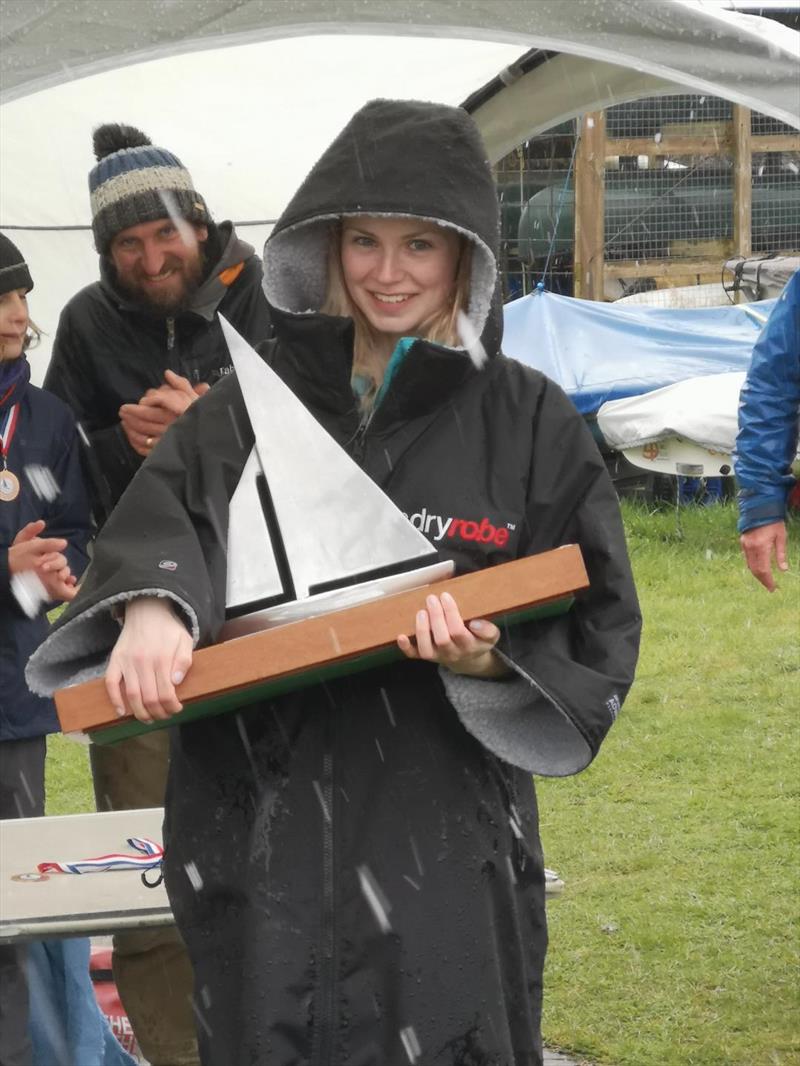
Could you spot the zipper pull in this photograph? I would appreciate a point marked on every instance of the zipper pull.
(358, 445)
(170, 334)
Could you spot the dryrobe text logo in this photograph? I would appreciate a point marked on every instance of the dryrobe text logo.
(481, 530)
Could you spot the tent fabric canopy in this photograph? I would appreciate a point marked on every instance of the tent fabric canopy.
(691, 44)
(247, 122)
(599, 352)
(249, 92)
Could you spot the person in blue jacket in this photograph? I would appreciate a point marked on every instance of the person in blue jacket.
(769, 419)
(44, 529)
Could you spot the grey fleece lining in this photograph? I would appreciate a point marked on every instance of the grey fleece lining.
(79, 650)
(296, 266)
(508, 719)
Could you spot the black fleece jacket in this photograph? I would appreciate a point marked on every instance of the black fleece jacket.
(109, 351)
(372, 879)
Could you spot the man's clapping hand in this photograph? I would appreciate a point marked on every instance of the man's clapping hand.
(145, 422)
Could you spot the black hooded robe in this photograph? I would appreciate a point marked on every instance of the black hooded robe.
(356, 867)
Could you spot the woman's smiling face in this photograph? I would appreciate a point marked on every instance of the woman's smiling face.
(399, 271)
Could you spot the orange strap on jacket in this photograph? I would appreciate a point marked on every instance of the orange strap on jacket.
(229, 275)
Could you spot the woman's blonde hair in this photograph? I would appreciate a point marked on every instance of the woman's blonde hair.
(441, 328)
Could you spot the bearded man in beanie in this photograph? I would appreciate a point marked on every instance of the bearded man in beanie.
(132, 352)
(135, 349)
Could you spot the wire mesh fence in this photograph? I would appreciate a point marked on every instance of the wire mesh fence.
(776, 201)
(668, 211)
(653, 116)
(763, 125)
(669, 197)
(535, 171)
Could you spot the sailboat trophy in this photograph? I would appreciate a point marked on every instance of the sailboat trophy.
(324, 571)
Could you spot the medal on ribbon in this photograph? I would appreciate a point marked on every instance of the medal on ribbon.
(9, 482)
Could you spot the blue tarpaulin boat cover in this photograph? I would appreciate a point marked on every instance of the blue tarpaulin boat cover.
(599, 352)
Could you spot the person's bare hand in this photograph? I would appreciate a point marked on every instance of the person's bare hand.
(29, 551)
(181, 384)
(152, 655)
(44, 556)
(764, 547)
(145, 422)
(441, 636)
(175, 395)
(144, 425)
(60, 584)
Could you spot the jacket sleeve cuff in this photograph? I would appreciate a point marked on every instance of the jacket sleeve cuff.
(760, 509)
(79, 650)
(518, 721)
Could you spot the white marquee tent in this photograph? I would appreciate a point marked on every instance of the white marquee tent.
(248, 92)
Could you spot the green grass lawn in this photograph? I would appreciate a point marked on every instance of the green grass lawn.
(69, 781)
(676, 941)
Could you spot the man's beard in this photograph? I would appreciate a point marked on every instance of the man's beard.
(169, 301)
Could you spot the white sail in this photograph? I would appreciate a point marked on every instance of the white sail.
(336, 527)
(252, 572)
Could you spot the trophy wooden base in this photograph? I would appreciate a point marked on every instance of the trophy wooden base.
(226, 676)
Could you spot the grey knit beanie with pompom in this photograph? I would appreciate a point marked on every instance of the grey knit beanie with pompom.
(134, 182)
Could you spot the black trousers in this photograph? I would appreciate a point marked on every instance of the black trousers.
(21, 796)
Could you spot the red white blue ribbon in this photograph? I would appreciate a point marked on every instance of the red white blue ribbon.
(150, 855)
(7, 433)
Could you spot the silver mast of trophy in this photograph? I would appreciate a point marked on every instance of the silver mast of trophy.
(309, 531)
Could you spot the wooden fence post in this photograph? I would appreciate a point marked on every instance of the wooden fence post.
(590, 206)
(742, 181)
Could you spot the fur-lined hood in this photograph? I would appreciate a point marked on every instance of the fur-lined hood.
(394, 157)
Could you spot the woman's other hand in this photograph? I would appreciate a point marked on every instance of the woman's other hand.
(151, 656)
(443, 637)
